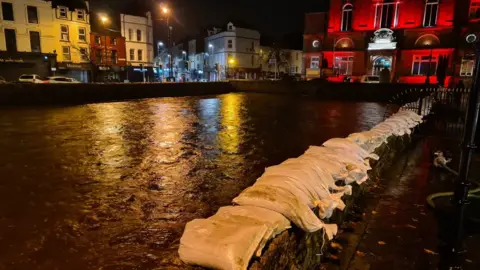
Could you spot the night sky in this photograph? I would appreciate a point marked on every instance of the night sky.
(274, 19)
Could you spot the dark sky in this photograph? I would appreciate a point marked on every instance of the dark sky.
(271, 18)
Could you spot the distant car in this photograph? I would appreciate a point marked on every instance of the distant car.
(202, 80)
(61, 79)
(370, 79)
(31, 78)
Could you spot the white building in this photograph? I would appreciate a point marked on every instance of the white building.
(288, 61)
(233, 53)
(196, 59)
(27, 38)
(138, 33)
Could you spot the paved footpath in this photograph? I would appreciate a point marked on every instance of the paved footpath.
(394, 228)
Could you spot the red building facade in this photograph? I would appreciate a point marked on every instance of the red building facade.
(406, 37)
(108, 54)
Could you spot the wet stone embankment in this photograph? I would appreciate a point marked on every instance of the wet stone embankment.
(62, 94)
(111, 185)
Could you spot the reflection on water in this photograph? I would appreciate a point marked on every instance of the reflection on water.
(111, 186)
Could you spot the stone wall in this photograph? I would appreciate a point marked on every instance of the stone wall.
(35, 94)
(296, 249)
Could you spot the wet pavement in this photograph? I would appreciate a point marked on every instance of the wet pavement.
(111, 185)
(394, 228)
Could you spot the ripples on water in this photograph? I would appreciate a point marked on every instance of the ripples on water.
(111, 185)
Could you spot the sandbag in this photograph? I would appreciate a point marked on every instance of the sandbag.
(341, 155)
(337, 169)
(349, 146)
(298, 188)
(220, 245)
(275, 222)
(284, 202)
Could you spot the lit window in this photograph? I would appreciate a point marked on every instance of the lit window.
(140, 55)
(139, 35)
(84, 54)
(315, 62)
(386, 14)
(132, 54)
(229, 43)
(468, 64)
(423, 65)
(130, 34)
(431, 12)
(344, 65)
(98, 40)
(81, 15)
(474, 11)
(82, 34)
(113, 41)
(347, 17)
(62, 12)
(66, 53)
(64, 33)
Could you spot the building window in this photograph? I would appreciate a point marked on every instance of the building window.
(253, 60)
(468, 64)
(11, 40)
(81, 15)
(113, 57)
(32, 14)
(474, 11)
(140, 55)
(315, 62)
(113, 41)
(64, 33)
(84, 54)
(139, 35)
(344, 65)
(7, 11)
(386, 14)
(82, 34)
(431, 12)
(66, 53)
(296, 56)
(62, 12)
(423, 65)
(230, 44)
(98, 56)
(35, 41)
(130, 34)
(98, 40)
(132, 54)
(347, 17)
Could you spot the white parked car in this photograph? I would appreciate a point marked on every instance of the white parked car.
(61, 79)
(31, 78)
(370, 79)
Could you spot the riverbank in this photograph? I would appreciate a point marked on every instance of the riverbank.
(60, 94)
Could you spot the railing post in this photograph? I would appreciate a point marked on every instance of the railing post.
(462, 185)
(420, 105)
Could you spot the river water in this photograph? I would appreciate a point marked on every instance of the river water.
(111, 185)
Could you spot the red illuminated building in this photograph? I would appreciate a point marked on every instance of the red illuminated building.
(108, 54)
(407, 37)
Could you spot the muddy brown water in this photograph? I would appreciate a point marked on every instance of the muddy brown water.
(111, 185)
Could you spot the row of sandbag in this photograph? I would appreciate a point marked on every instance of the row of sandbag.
(288, 192)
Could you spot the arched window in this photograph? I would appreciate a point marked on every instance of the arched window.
(347, 17)
(431, 12)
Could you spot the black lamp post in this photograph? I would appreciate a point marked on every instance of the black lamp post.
(462, 185)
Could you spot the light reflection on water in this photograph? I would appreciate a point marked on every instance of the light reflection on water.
(111, 185)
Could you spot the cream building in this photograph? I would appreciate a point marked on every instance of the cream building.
(233, 53)
(27, 38)
(138, 34)
(72, 40)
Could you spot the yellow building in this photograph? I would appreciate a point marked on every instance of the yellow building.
(27, 38)
(72, 39)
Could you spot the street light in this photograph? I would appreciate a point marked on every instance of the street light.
(160, 44)
(210, 45)
(165, 10)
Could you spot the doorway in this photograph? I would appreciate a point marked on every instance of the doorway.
(380, 63)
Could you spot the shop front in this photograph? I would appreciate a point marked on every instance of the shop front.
(140, 74)
(14, 64)
(78, 71)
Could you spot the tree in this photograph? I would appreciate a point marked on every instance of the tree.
(442, 69)
(280, 56)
